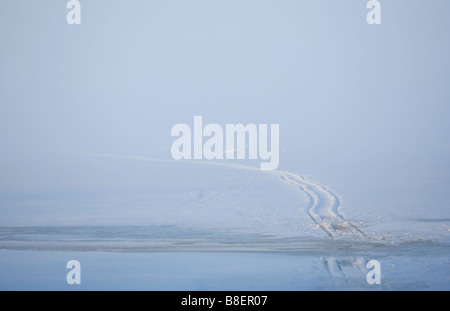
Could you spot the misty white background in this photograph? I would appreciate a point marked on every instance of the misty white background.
(361, 107)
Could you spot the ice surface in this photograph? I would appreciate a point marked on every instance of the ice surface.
(201, 211)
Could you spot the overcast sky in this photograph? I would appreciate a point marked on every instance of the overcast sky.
(347, 95)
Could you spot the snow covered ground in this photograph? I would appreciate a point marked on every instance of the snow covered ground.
(208, 226)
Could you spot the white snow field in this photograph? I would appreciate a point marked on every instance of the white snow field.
(211, 225)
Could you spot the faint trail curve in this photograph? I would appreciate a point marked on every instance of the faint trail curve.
(324, 207)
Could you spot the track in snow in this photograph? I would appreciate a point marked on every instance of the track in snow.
(324, 206)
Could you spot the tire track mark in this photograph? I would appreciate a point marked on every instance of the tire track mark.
(324, 206)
